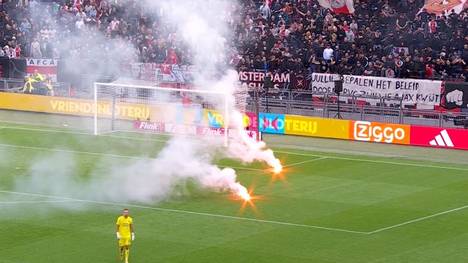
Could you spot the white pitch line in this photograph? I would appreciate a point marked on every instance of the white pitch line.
(70, 151)
(376, 161)
(190, 212)
(244, 168)
(278, 151)
(82, 133)
(34, 202)
(307, 161)
(106, 154)
(417, 220)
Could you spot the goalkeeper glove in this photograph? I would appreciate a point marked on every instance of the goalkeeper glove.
(133, 236)
(118, 235)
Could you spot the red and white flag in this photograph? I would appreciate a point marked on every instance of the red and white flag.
(338, 6)
(439, 7)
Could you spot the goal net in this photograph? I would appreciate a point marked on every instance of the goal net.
(162, 110)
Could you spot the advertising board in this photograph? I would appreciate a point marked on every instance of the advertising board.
(439, 137)
(316, 127)
(380, 132)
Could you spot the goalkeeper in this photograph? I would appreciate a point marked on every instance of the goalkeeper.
(125, 234)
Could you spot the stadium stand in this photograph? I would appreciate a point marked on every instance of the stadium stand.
(383, 38)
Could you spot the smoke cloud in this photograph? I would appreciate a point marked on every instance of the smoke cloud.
(144, 180)
(205, 26)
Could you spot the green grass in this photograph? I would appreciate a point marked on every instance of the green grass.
(330, 208)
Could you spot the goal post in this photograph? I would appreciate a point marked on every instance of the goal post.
(138, 108)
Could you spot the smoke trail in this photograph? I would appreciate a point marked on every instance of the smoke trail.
(206, 26)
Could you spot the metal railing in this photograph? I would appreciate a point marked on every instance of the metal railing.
(388, 110)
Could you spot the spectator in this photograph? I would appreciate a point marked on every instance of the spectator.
(432, 25)
(171, 57)
(429, 74)
(328, 53)
(7, 51)
(265, 10)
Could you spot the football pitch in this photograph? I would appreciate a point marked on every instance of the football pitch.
(331, 206)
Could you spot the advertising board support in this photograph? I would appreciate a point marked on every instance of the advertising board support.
(256, 99)
(113, 111)
(338, 89)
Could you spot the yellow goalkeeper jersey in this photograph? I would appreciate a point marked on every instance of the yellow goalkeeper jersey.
(124, 225)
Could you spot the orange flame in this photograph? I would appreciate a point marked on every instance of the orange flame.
(277, 168)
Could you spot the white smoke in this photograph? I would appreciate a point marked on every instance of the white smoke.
(145, 180)
(206, 28)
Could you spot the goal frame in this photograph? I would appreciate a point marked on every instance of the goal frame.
(224, 95)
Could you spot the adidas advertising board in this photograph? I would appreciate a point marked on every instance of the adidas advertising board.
(439, 137)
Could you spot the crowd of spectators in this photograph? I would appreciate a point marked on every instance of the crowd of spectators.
(383, 38)
(390, 38)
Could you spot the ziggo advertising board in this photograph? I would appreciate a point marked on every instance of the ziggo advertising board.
(409, 135)
(364, 131)
(379, 132)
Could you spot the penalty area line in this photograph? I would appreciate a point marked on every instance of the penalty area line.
(169, 210)
(418, 220)
(307, 161)
(375, 161)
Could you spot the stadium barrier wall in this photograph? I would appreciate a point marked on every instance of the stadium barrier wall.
(167, 113)
(266, 122)
(418, 93)
(363, 131)
(77, 107)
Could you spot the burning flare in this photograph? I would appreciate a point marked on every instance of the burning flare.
(277, 167)
(245, 196)
(241, 192)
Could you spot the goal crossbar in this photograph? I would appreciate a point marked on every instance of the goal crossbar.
(159, 88)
